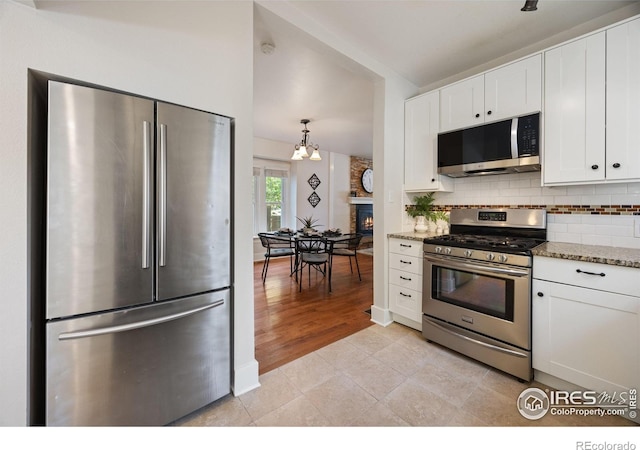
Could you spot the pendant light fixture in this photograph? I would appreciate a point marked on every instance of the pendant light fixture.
(301, 149)
(530, 5)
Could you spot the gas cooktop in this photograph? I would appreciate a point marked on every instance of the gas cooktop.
(491, 234)
(507, 244)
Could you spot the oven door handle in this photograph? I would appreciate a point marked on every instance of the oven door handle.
(455, 264)
(475, 341)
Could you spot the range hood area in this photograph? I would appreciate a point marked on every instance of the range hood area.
(530, 164)
(506, 146)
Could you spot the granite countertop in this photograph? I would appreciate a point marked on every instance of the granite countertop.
(616, 256)
(411, 235)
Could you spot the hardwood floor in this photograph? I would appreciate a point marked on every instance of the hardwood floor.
(290, 324)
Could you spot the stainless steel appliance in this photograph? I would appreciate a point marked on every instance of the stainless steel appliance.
(477, 286)
(138, 257)
(500, 147)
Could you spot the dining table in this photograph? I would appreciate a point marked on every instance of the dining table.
(329, 240)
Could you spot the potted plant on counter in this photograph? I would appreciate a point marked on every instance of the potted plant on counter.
(423, 212)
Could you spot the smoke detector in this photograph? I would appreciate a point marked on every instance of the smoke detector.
(267, 48)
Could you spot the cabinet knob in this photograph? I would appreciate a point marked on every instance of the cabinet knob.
(594, 167)
(477, 115)
(489, 112)
(433, 180)
(540, 294)
(616, 165)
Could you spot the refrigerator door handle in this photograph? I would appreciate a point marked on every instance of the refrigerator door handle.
(162, 193)
(133, 326)
(146, 194)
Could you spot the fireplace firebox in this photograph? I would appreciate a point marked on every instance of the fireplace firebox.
(364, 219)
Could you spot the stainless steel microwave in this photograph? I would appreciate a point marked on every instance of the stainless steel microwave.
(506, 146)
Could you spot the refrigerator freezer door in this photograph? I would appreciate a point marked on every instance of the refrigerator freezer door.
(193, 195)
(99, 200)
(147, 365)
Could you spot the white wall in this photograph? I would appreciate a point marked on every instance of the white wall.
(196, 54)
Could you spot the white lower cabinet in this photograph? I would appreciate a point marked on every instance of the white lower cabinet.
(405, 281)
(586, 323)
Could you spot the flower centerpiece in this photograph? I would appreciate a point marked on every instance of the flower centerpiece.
(308, 224)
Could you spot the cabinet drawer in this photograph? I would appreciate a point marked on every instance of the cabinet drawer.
(405, 263)
(405, 247)
(603, 277)
(406, 280)
(406, 302)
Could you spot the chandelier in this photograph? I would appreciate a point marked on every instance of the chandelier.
(301, 149)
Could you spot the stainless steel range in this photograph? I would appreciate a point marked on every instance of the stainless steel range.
(477, 286)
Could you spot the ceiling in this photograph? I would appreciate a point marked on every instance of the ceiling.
(430, 43)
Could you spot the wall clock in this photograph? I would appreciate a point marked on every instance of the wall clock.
(367, 180)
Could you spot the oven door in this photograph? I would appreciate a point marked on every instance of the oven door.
(490, 299)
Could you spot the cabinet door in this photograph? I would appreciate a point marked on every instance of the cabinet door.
(574, 116)
(585, 336)
(623, 101)
(462, 104)
(421, 122)
(513, 90)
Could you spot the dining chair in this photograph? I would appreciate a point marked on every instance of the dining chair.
(276, 246)
(345, 245)
(311, 252)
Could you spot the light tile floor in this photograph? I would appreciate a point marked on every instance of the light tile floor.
(382, 377)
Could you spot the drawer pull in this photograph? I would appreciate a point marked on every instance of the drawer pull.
(405, 245)
(405, 262)
(405, 278)
(405, 295)
(601, 274)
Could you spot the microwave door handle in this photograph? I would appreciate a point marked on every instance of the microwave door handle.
(514, 138)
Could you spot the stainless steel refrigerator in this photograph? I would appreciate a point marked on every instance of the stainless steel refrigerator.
(138, 256)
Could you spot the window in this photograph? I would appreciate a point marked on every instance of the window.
(271, 205)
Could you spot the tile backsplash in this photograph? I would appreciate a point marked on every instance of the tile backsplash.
(599, 214)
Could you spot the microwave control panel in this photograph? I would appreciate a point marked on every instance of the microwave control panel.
(528, 135)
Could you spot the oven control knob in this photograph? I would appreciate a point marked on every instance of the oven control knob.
(491, 256)
(438, 249)
(447, 250)
(467, 253)
(503, 258)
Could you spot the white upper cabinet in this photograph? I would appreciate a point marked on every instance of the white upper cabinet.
(509, 91)
(462, 104)
(623, 102)
(574, 111)
(592, 108)
(513, 90)
(421, 121)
